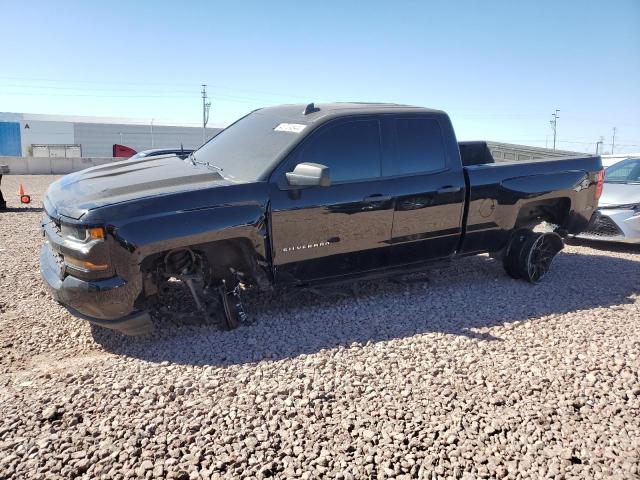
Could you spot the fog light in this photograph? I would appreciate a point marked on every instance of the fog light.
(84, 265)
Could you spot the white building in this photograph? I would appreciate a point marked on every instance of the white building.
(74, 136)
(27, 135)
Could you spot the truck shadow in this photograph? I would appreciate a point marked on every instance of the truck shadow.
(466, 299)
(606, 246)
(21, 209)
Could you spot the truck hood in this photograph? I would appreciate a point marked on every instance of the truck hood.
(75, 194)
(619, 194)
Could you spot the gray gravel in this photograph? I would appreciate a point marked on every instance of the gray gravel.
(460, 373)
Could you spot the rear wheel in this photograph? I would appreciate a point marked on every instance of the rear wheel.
(530, 254)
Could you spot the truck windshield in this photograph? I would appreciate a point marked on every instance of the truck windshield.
(244, 151)
(627, 171)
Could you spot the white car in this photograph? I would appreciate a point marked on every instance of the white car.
(619, 206)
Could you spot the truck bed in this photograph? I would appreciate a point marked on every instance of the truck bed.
(507, 195)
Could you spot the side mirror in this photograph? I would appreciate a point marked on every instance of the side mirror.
(309, 175)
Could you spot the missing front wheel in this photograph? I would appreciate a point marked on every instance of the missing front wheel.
(232, 304)
(187, 291)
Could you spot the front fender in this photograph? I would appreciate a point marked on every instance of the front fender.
(166, 231)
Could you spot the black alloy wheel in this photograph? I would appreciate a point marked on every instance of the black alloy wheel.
(530, 254)
(540, 256)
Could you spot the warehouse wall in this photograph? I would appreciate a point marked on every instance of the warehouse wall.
(51, 165)
(39, 132)
(97, 139)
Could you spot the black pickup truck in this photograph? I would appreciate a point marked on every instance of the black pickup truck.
(301, 194)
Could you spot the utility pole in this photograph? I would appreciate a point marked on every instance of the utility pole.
(613, 140)
(598, 143)
(554, 126)
(152, 143)
(205, 112)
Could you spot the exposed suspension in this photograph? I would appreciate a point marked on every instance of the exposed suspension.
(185, 265)
(180, 261)
(192, 269)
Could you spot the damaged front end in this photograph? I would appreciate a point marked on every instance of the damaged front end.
(187, 254)
(80, 274)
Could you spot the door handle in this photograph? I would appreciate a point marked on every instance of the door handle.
(449, 189)
(377, 198)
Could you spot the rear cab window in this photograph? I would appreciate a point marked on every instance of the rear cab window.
(418, 147)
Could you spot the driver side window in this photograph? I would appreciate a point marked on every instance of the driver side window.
(350, 149)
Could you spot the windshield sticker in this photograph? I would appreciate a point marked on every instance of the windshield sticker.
(290, 127)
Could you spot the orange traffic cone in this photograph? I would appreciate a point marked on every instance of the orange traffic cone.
(23, 198)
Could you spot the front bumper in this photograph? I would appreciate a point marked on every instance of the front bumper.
(614, 225)
(107, 302)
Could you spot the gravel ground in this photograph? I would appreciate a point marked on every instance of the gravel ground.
(459, 373)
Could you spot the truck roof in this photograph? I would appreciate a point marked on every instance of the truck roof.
(312, 113)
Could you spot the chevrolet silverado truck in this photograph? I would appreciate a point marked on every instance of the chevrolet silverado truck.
(300, 195)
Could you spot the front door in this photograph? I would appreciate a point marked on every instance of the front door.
(325, 232)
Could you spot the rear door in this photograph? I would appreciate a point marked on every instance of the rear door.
(321, 232)
(428, 188)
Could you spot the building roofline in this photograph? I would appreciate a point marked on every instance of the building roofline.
(533, 149)
(45, 117)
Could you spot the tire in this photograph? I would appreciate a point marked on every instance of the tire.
(511, 261)
(530, 254)
(232, 306)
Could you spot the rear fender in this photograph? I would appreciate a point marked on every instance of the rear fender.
(549, 196)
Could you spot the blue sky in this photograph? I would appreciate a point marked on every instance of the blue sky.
(499, 68)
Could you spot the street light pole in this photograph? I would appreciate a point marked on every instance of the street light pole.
(613, 140)
(554, 126)
(598, 143)
(152, 133)
(205, 113)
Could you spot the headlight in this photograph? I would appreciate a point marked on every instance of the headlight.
(81, 233)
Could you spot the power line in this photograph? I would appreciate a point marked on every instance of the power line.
(602, 139)
(146, 85)
(30, 94)
(100, 82)
(230, 98)
(89, 89)
(173, 91)
(121, 92)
